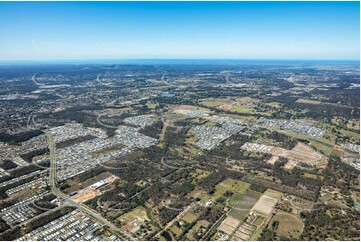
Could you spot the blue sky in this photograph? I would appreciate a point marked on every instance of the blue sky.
(126, 30)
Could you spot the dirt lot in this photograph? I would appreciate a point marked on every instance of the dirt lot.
(244, 232)
(305, 152)
(301, 100)
(239, 104)
(290, 165)
(182, 109)
(226, 106)
(85, 194)
(273, 160)
(301, 152)
(229, 225)
(89, 192)
(272, 193)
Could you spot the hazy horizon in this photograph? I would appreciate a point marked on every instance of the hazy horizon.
(170, 61)
(56, 31)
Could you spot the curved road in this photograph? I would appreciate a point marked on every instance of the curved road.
(57, 192)
(33, 79)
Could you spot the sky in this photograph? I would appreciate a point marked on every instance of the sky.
(137, 30)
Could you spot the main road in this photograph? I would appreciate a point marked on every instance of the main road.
(59, 194)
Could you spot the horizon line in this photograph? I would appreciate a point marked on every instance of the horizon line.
(177, 59)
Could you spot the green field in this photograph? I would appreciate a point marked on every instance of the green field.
(244, 205)
(200, 223)
(237, 187)
(176, 230)
(349, 133)
(246, 110)
(138, 212)
(274, 104)
(259, 220)
(242, 110)
(190, 217)
(107, 150)
(324, 146)
(210, 124)
(214, 102)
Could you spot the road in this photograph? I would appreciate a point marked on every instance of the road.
(58, 193)
(227, 79)
(33, 79)
(103, 124)
(164, 129)
(98, 79)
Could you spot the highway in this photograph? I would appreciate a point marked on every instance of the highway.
(59, 194)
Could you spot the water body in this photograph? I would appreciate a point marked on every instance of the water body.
(167, 95)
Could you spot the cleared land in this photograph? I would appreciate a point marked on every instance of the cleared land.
(90, 192)
(200, 224)
(300, 153)
(190, 217)
(238, 188)
(130, 222)
(267, 202)
(289, 225)
(214, 102)
(229, 225)
(184, 109)
(245, 204)
(75, 185)
(307, 101)
(239, 105)
(273, 160)
(85, 195)
(244, 232)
